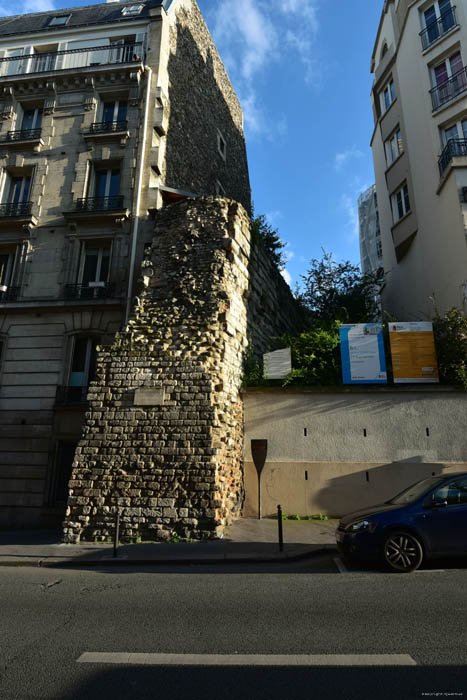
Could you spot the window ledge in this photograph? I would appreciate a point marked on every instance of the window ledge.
(383, 114)
(394, 162)
(399, 221)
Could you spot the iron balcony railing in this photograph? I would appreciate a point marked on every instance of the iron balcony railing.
(453, 148)
(108, 127)
(99, 203)
(71, 395)
(9, 294)
(72, 58)
(438, 28)
(15, 209)
(91, 290)
(23, 135)
(449, 90)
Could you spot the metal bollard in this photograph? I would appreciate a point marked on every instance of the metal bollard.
(279, 526)
(117, 528)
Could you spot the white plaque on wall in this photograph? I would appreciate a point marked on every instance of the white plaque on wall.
(277, 364)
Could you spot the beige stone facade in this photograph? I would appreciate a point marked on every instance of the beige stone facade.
(420, 155)
(106, 113)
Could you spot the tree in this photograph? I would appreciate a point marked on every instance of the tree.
(269, 238)
(339, 291)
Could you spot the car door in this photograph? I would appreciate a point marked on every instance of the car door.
(445, 518)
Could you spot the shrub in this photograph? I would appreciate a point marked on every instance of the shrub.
(451, 346)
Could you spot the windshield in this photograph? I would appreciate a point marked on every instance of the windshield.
(414, 492)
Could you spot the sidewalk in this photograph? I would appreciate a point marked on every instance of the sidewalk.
(245, 541)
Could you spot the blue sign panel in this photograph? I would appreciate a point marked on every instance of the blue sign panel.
(362, 354)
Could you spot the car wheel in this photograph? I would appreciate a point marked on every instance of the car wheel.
(402, 552)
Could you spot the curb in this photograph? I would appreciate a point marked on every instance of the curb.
(111, 562)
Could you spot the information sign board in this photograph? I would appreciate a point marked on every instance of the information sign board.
(362, 353)
(413, 353)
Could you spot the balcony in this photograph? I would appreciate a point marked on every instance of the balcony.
(449, 90)
(24, 138)
(98, 209)
(90, 291)
(17, 215)
(435, 30)
(72, 59)
(71, 396)
(108, 130)
(8, 294)
(453, 149)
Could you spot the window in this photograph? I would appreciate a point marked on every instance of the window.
(455, 132)
(393, 146)
(115, 111)
(132, 10)
(400, 203)
(18, 191)
(379, 249)
(32, 119)
(449, 80)
(387, 95)
(107, 183)
(436, 21)
(62, 473)
(95, 264)
(83, 361)
(7, 269)
(221, 145)
(454, 493)
(59, 20)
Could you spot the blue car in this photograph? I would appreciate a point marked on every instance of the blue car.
(429, 519)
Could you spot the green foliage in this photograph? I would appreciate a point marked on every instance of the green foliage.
(294, 517)
(451, 347)
(315, 355)
(269, 238)
(318, 516)
(252, 368)
(339, 291)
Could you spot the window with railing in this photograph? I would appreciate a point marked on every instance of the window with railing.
(30, 122)
(77, 54)
(437, 20)
(16, 193)
(454, 143)
(449, 79)
(93, 274)
(103, 192)
(113, 118)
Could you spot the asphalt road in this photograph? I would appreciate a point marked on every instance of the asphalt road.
(49, 618)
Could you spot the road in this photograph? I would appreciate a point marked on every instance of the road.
(308, 614)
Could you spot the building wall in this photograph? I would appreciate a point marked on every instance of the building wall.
(37, 327)
(425, 254)
(337, 452)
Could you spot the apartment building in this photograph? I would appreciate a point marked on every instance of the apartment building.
(419, 147)
(371, 249)
(106, 113)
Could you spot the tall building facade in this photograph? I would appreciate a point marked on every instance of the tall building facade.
(106, 113)
(419, 147)
(371, 250)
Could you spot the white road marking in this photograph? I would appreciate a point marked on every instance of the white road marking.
(341, 566)
(430, 571)
(246, 659)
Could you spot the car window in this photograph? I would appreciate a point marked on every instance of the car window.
(454, 492)
(414, 492)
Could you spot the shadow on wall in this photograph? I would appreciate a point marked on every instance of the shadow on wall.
(368, 487)
(198, 111)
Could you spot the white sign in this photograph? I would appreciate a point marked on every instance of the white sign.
(277, 364)
(362, 353)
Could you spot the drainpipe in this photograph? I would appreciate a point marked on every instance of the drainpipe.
(134, 236)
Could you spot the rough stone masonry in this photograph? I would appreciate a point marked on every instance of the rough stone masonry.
(163, 439)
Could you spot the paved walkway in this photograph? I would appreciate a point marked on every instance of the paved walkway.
(247, 540)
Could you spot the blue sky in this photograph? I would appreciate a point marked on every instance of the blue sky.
(301, 70)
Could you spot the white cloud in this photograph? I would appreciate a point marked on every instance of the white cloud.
(27, 6)
(341, 159)
(254, 35)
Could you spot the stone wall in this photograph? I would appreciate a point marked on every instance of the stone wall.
(202, 103)
(164, 435)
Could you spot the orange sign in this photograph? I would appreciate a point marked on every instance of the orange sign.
(413, 353)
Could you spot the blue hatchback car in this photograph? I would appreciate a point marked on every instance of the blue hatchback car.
(429, 519)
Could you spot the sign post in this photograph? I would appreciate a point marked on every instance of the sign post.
(259, 451)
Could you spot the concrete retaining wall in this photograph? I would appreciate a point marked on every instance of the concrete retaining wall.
(336, 452)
